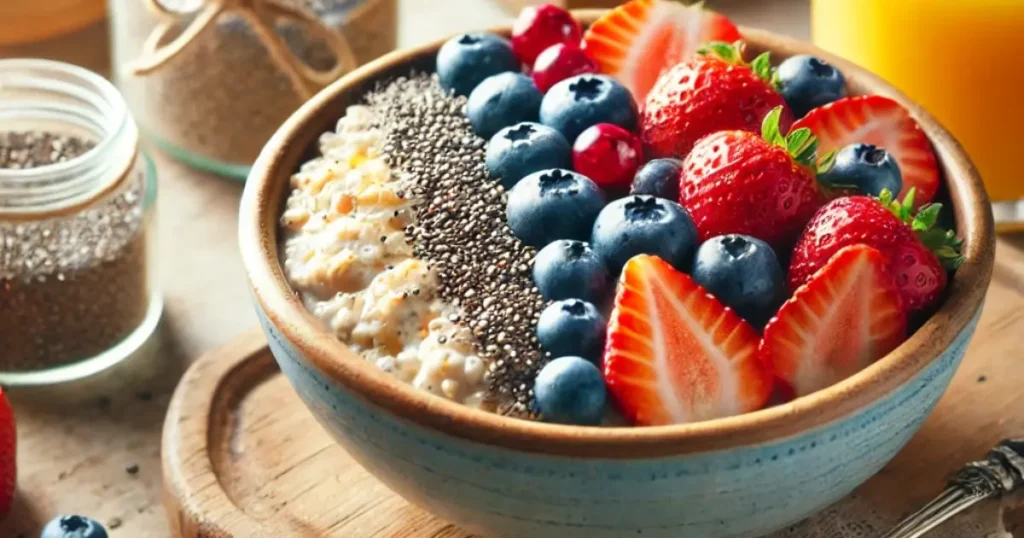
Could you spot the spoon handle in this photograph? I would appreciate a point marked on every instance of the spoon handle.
(1000, 473)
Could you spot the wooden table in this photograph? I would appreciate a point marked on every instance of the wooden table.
(93, 447)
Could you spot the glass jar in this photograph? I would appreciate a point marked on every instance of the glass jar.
(78, 290)
(217, 100)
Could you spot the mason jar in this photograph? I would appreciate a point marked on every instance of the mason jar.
(214, 98)
(78, 288)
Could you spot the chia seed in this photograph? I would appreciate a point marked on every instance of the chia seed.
(71, 287)
(461, 230)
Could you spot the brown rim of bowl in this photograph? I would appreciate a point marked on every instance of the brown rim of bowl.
(263, 199)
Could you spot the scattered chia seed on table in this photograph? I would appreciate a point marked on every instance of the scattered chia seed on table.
(462, 232)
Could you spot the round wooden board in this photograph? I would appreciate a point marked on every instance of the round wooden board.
(244, 458)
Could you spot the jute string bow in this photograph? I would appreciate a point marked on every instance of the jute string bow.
(261, 16)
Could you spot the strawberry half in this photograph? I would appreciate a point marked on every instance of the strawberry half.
(878, 120)
(918, 253)
(638, 40)
(675, 354)
(716, 91)
(8, 453)
(846, 317)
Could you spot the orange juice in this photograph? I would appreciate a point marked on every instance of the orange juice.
(26, 21)
(963, 60)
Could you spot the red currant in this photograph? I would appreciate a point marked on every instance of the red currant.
(539, 27)
(559, 62)
(607, 154)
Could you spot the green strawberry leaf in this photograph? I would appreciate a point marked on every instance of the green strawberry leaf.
(762, 67)
(730, 53)
(796, 140)
(926, 217)
(943, 243)
(770, 131)
(825, 162)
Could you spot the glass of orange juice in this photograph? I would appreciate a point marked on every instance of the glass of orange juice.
(963, 60)
(26, 21)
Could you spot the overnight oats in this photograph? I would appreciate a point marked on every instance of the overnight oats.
(631, 233)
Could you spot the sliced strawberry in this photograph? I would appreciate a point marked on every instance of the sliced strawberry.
(638, 40)
(846, 317)
(878, 120)
(675, 354)
(8, 468)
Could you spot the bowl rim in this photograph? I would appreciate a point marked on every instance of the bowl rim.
(258, 241)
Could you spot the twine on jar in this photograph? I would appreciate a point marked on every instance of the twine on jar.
(261, 16)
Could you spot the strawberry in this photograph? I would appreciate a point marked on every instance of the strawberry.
(847, 316)
(762, 186)
(715, 92)
(8, 468)
(878, 120)
(918, 253)
(636, 41)
(674, 354)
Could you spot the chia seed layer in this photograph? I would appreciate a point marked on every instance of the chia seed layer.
(461, 230)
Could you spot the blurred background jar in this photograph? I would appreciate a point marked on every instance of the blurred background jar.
(211, 80)
(73, 31)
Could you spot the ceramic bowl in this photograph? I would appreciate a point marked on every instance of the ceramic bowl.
(506, 478)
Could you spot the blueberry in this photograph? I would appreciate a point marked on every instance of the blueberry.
(578, 102)
(73, 527)
(806, 82)
(525, 148)
(466, 60)
(570, 390)
(502, 100)
(868, 169)
(569, 269)
(659, 177)
(743, 273)
(572, 327)
(643, 224)
(553, 204)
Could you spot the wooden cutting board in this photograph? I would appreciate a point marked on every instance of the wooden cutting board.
(243, 458)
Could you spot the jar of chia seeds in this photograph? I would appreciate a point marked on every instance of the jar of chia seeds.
(77, 201)
(211, 80)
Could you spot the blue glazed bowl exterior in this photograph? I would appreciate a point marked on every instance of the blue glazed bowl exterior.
(500, 493)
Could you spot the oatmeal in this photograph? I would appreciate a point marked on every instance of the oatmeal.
(346, 251)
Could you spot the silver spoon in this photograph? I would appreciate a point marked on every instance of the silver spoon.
(1000, 473)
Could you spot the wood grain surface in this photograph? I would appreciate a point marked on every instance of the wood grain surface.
(244, 458)
(79, 443)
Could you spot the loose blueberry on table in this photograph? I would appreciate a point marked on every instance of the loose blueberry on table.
(73, 527)
(567, 269)
(572, 327)
(553, 204)
(524, 148)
